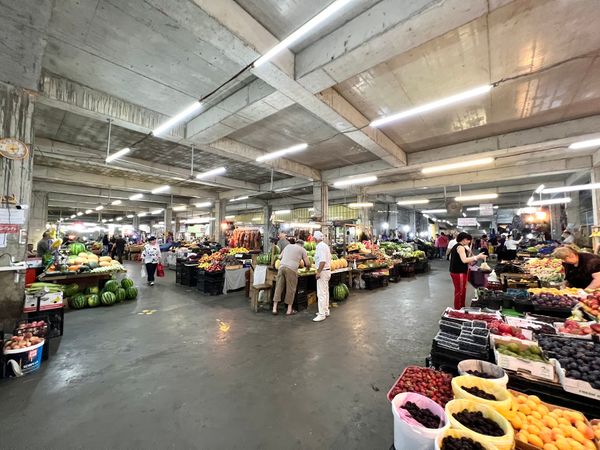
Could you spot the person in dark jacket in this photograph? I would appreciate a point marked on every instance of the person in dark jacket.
(460, 258)
(582, 270)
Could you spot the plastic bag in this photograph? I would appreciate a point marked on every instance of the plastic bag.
(160, 270)
(423, 403)
(485, 267)
(143, 273)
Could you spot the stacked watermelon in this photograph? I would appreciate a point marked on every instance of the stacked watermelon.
(340, 292)
(92, 300)
(108, 298)
(78, 301)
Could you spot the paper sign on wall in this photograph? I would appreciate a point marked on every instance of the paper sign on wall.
(486, 209)
(467, 222)
(12, 216)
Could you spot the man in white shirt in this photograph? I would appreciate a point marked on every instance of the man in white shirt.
(451, 245)
(323, 263)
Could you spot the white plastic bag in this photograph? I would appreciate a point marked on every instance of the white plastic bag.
(143, 273)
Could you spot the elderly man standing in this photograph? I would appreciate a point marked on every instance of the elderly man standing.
(287, 276)
(323, 263)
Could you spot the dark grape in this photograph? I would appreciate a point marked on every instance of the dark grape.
(423, 416)
(474, 420)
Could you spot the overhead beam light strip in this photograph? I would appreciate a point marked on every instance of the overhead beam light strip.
(433, 105)
(550, 201)
(466, 198)
(302, 31)
(422, 201)
(578, 187)
(360, 205)
(458, 165)
(212, 173)
(352, 181)
(160, 189)
(177, 118)
(285, 151)
(118, 154)
(585, 144)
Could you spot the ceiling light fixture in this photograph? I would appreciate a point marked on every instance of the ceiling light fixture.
(203, 205)
(282, 211)
(527, 210)
(413, 202)
(142, 214)
(211, 173)
(285, 151)
(467, 198)
(111, 220)
(118, 219)
(539, 189)
(116, 202)
(118, 154)
(434, 211)
(99, 208)
(129, 216)
(156, 211)
(550, 201)
(458, 165)
(256, 219)
(302, 31)
(578, 187)
(136, 196)
(87, 211)
(585, 144)
(160, 189)
(239, 198)
(180, 208)
(433, 105)
(477, 208)
(352, 181)
(360, 205)
(73, 216)
(79, 214)
(180, 117)
(230, 217)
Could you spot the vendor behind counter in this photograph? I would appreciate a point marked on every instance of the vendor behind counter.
(582, 270)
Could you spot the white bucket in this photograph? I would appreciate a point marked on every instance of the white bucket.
(485, 367)
(411, 437)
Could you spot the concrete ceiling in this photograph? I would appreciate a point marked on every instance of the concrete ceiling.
(140, 61)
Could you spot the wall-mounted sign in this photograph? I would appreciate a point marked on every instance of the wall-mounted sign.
(466, 222)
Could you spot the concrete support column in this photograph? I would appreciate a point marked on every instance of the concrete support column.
(393, 216)
(269, 230)
(413, 222)
(136, 223)
(177, 225)
(595, 178)
(16, 112)
(38, 216)
(363, 213)
(321, 205)
(555, 227)
(168, 218)
(219, 215)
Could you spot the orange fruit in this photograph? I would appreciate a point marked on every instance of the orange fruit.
(543, 410)
(575, 445)
(550, 447)
(546, 436)
(550, 421)
(584, 429)
(516, 422)
(535, 440)
(562, 444)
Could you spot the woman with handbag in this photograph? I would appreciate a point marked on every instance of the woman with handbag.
(151, 258)
(459, 267)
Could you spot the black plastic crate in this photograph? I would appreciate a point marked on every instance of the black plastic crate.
(561, 313)
(375, 282)
(522, 305)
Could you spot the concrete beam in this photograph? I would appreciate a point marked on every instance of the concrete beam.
(87, 179)
(91, 202)
(453, 192)
(486, 176)
(377, 35)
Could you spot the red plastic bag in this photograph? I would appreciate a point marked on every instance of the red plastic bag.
(160, 270)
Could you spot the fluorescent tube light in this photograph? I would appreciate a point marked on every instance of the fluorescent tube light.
(433, 105)
(285, 151)
(87, 211)
(413, 202)
(539, 189)
(142, 214)
(156, 211)
(360, 205)
(118, 154)
(578, 187)
(129, 216)
(203, 205)
(136, 196)
(527, 210)
(73, 216)
(211, 173)
(230, 217)
(180, 117)
(585, 144)
(302, 31)
(467, 198)
(160, 189)
(351, 181)
(111, 220)
(99, 208)
(256, 219)
(282, 211)
(116, 202)
(477, 208)
(103, 220)
(180, 208)
(550, 201)
(239, 198)
(434, 211)
(314, 226)
(118, 219)
(530, 201)
(464, 214)
(458, 165)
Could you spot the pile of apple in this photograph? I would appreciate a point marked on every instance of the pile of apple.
(18, 342)
(591, 304)
(503, 329)
(428, 382)
(576, 328)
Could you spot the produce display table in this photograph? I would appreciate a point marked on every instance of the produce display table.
(235, 279)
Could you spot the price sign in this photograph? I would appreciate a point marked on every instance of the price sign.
(486, 209)
(7, 228)
(467, 222)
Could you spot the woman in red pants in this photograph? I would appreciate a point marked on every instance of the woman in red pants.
(459, 266)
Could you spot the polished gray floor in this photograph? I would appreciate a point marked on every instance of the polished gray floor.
(205, 372)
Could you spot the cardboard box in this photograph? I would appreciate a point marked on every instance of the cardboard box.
(51, 300)
(539, 369)
(31, 303)
(574, 386)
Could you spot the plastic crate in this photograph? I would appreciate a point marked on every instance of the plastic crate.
(562, 313)
(411, 368)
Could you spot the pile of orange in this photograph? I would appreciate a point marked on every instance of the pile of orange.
(549, 428)
(596, 427)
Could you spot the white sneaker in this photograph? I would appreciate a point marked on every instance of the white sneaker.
(319, 318)
(326, 315)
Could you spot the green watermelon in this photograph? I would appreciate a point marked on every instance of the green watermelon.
(108, 298)
(70, 290)
(78, 301)
(76, 248)
(131, 293)
(121, 295)
(334, 257)
(92, 290)
(126, 283)
(111, 286)
(92, 300)
(340, 292)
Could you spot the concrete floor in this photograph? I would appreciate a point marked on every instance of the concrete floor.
(205, 372)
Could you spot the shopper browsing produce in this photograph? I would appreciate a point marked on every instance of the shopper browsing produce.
(511, 247)
(282, 242)
(459, 266)
(43, 245)
(151, 257)
(582, 270)
(287, 276)
(568, 238)
(323, 263)
(441, 243)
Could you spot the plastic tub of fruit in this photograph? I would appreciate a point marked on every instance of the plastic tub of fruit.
(461, 434)
(483, 369)
(487, 423)
(417, 421)
(482, 391)
(431, 383)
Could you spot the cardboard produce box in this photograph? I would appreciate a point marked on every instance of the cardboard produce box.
(540, 369)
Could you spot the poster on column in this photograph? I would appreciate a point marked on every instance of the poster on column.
(486, 209)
